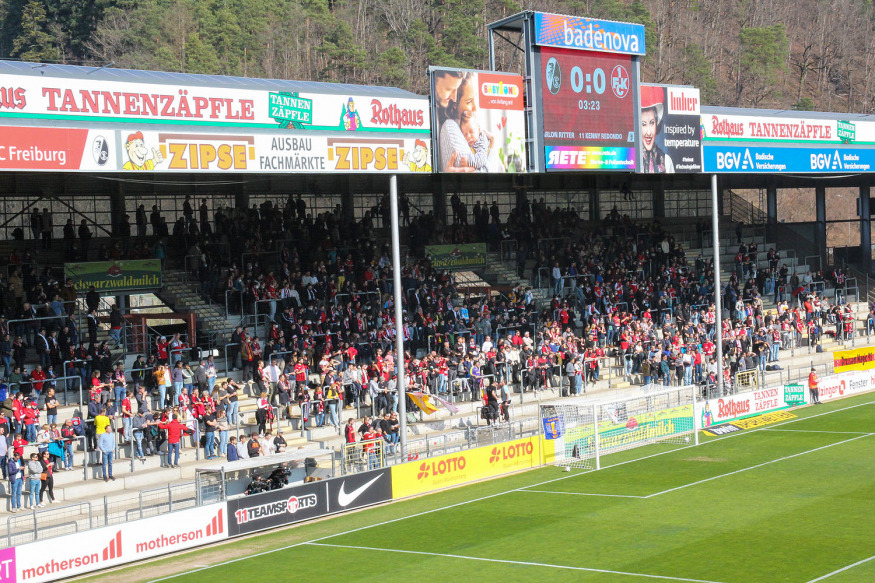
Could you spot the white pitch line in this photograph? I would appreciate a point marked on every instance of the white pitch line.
(817, 431)
(509, 562)
(287, 547)
(842, 570)
(579, 493)
(758, 465)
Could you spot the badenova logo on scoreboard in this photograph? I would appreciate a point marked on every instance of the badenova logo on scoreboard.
(589, 34)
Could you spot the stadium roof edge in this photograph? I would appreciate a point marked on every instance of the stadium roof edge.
(29, 69)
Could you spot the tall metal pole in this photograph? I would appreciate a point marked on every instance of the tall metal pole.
(401, 385)
(718, 308)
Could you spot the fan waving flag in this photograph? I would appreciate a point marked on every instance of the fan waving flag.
(447, 405)
(421, 400)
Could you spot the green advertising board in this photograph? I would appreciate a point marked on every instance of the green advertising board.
(115, 276)
(291, 110)
(451, 257)
(794, 394)
(846, 131)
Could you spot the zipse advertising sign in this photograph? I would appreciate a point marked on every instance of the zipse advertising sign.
(588, 105)
(589, 34)
(75, 554)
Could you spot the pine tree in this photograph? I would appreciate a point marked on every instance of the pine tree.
(34, 43)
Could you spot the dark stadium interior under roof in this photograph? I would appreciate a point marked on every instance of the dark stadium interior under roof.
(222, 81)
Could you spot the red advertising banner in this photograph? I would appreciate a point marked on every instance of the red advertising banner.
(27, 148)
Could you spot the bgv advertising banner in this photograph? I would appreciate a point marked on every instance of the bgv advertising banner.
(480, 122)
(588, 104)
(670, 134)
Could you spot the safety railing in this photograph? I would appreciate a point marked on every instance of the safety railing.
(47, 523)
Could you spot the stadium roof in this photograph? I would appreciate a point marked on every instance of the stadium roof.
(106, 73)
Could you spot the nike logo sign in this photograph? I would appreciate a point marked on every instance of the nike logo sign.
(345, 499)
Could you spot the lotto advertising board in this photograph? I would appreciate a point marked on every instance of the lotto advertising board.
(479, 121)
(764, 144)
(465, 466)
(83, 552)
(307, 501)
(587, 102)
(670, 136)
(147, 104)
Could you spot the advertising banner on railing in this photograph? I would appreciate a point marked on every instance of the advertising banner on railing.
(451, 257)
(307, 501)
(115, 276)
(845, 385)
(732, 407)
(480, 125)
(92, 550)
(854, 359)
(149, 104)
(465, 466)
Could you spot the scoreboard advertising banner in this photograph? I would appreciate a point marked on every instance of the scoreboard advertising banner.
(587, 92)
(480, 125)
(763, 144)
(670, 135)
(170, 128)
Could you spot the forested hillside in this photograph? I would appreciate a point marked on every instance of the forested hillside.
(807, 54)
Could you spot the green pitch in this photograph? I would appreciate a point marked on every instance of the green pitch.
(793, 501)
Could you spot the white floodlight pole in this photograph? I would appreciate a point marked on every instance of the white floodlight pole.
(401, 385)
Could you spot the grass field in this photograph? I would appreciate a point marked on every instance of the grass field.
(791, 502)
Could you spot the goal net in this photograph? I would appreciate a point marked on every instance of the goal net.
(581, 432)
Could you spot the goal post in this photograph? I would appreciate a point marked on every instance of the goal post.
(577, 433)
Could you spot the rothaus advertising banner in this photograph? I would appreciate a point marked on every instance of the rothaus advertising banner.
(149, 104)
(587, 101)
(307, 501)
(480, 124)
(179, 150)
(767, 144)
(670, 135)
(101, 548)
